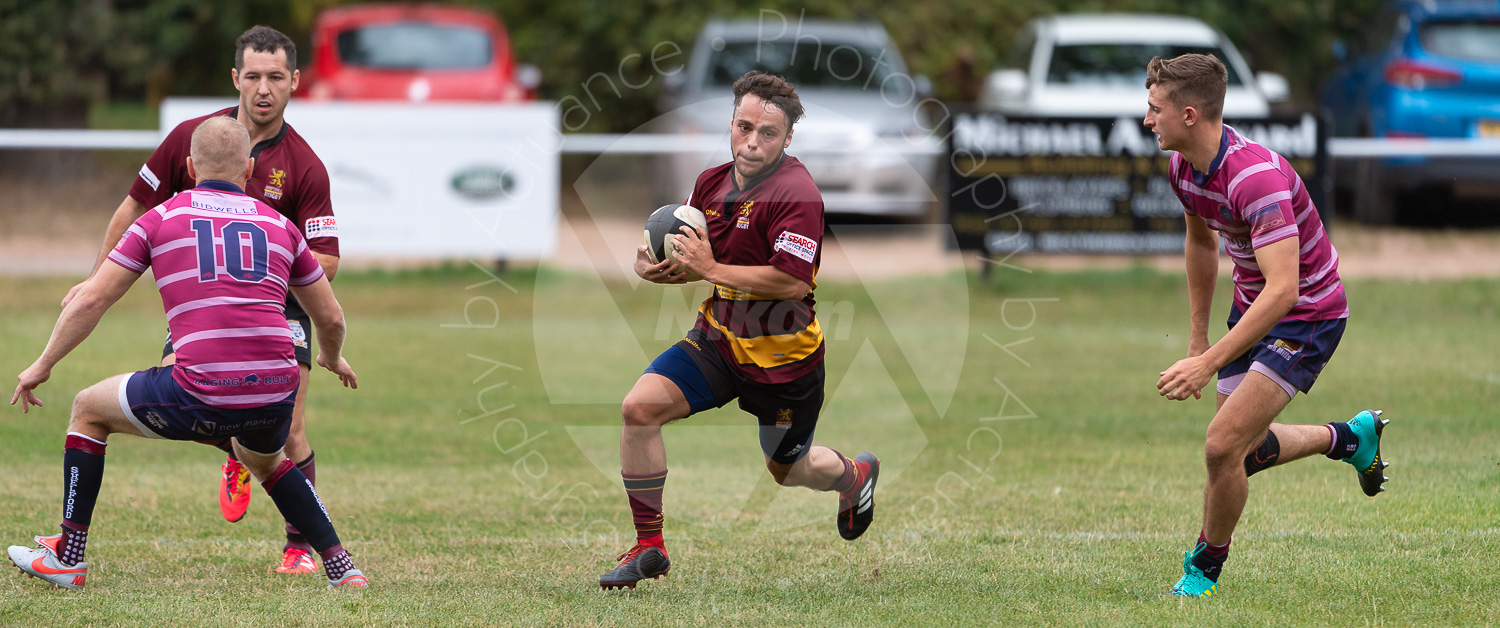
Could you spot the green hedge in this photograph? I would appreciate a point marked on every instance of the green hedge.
(56, 58)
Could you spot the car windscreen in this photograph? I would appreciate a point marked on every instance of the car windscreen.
(810, 64)
(1473, 40)
(415, 46)
(1117, 65)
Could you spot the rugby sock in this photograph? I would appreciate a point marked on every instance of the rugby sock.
(70, 548)
(309, 468)
(299, 504)
(1343, 443)
(336, 561)
(854, 474)
(83, 472)
(1211, 559)
(645, 502)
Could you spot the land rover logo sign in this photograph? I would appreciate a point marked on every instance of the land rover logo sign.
(483, 183)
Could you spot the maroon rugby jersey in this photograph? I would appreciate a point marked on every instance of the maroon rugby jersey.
(777, 220)
(288, 176)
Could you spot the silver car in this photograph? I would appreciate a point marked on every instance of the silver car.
(863, 138)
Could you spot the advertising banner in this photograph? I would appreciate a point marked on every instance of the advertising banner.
(429, 180)
(1088, 185)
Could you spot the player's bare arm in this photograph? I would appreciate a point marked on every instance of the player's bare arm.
(1202, 277)
(697, 255)
(125, 215)
(1278, 261)
(329, 263)
(76, 322)
(328, 320)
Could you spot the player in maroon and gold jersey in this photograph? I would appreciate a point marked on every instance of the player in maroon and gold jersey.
(292, 180)
(757, 338)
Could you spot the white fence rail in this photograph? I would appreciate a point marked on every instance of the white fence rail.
(79, 139)
(655, 144)
(1365, 147)
(576, 143)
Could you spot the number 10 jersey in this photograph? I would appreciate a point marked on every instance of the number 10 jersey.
(223, 263)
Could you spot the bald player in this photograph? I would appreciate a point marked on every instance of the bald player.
(289, 178)
(223, 263)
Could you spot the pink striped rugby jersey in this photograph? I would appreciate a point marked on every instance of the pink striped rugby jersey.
(223, 263)
(1253, 197)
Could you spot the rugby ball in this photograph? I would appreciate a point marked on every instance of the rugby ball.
(667, 222)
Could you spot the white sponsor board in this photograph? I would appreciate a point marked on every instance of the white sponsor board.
(429, 180)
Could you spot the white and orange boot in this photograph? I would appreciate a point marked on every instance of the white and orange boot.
(41, 562)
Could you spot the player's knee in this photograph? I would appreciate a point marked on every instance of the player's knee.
(1219, 453)
(79, 417)
(260, 465)
(637, 414)
(84, 418)
(296, 439)
(782, 473)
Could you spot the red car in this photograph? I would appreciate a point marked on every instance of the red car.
(415, 52)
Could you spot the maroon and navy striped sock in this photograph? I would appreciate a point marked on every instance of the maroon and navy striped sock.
(83, 472)
(645, 492)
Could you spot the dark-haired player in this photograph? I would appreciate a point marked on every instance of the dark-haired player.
(1288, 312)
(292, 180)
(757, 337)
(223, 264)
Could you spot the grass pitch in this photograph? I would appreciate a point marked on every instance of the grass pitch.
(1034, 475)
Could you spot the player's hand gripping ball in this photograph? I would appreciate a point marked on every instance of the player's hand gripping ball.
(667, 222)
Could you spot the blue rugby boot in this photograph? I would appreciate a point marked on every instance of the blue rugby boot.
(1194, 583)
(1368, 426)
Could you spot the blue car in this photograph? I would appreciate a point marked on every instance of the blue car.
(1423, 70)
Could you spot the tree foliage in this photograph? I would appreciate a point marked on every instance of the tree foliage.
(60, 55)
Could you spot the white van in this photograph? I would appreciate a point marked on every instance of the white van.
(1095, 66)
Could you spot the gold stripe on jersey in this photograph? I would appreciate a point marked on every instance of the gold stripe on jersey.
(730, 294)
(768, 351)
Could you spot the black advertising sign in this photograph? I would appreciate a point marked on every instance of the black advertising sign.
(1089, 185)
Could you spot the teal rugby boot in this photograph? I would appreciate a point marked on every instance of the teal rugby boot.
(1193, 582)
(1368, 426)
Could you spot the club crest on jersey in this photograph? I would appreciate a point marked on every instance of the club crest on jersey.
(743, 221)
(784, 418)
(299, 336)
(803, 247)
(274, 183)
(1226, 215)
